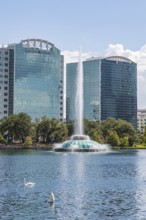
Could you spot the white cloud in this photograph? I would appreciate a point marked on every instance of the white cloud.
(73, 56)
(138, 56)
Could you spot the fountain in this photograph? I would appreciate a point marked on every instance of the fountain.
(80, 142)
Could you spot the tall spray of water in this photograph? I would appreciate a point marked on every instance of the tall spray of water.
(79, 97)
(80, 142)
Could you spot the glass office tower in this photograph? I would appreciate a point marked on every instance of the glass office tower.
(35, 79)
(4, 81)
(119, 89)
(110, 89)
(91, 87)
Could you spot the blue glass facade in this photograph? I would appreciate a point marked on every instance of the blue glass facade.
(91, 87)
(119, 89)
(11, 82)
(92, 77)
(110, 89)
(71, 71)
(36, 81)
(4, 81)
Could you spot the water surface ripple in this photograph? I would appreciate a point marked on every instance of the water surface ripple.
(108, 186)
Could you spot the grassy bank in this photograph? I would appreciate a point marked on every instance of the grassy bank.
(137, 146)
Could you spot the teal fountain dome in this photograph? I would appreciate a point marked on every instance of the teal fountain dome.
(80, 143)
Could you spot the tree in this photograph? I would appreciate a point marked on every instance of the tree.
(42, 129)
(16, 127)
(24, 125)
(70, 128)
(125, 129)
(58, 132)
(124, 142)
(97, 137)
(144, 136)
(113, 138)
(93, 129)
(2, 140)
(107, 125)
(51, 130)
(9, 128)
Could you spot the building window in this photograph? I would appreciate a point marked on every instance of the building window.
(5, 88)
(6, 76)
(6, 82)
(5, 106)
(6, 70)
(5, 112)
(5, 100)
(5, 94)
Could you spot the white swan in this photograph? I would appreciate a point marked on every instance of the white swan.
(51, 198)
(28, 184)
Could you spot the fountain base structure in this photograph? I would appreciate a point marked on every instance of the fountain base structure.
(80, 143)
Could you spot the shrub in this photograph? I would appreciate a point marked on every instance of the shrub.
(2, 140)
(28, 141)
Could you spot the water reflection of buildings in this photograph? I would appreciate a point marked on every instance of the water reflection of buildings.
(110, 89)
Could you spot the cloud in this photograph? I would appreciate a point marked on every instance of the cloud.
(73, 56)
(138, 56)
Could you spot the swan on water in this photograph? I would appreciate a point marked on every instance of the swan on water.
(51, 198)
(29, 184)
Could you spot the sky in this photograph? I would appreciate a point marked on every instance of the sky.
(100, 27)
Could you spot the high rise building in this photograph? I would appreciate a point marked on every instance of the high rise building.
(141, 120)
(4, 81)
(110, 89)
(31, 79)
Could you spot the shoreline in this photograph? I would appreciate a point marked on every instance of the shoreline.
(22, 147)
(50, 147)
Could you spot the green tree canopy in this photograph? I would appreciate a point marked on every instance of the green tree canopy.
(122, 128)
(51, 130)
(93, 129)
(113, 138)
(16, 127)
(125, 129)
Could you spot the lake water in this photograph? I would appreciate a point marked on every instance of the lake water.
(87, 186)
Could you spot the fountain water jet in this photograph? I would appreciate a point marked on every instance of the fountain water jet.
(79, 98)
(80, 142)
